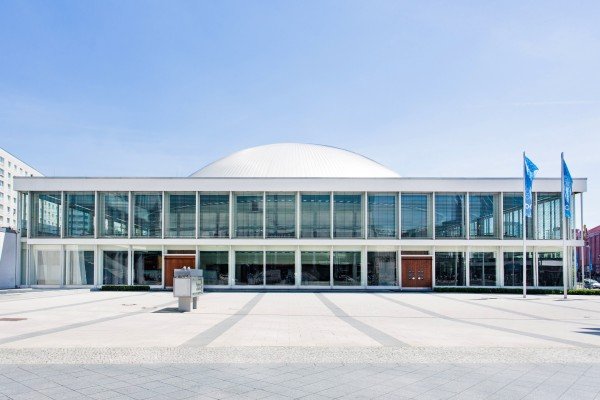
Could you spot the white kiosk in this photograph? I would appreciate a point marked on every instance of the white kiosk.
(188, 284)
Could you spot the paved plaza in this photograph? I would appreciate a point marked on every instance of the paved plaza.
(80, 344)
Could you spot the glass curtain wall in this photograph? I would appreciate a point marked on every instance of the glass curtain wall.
(315, 268)
(46, 214)
(249, 268)
(113, 208)
(80, 213)
(513, 217)
(47, 265)
(215, 265)
(115, 267)
(147, 267)
(281, 215)
(147, 215)
(483, 211)
(346, 268)
(381, 268)
(416, 215)
(315, 215)
(513, 268)
(482, 269)
(280, 268)
(450, 269)
(80, 265)
(347, 215)
(383, 215)
(180, 218)
(550, 266)
(449, 215)
(214, 216)
(249, 215)
(23, 212)
(548, 213)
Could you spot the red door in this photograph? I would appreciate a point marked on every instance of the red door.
(416, 272)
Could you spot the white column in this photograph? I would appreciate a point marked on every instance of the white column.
(363, 266)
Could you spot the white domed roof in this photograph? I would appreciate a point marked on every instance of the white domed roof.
(295, 160)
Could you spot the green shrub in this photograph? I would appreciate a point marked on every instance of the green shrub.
(125, 288)
(497, 290)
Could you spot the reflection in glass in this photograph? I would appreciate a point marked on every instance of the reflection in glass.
(147, 215)
(346, 268)
(315, 268)
(315, 216)
(482, 215)
(550, 266)
(180, 218)
(23, 212)
(80, 214)
(249, 268)
(115, 267)
(214, 216)
(513, 217)
(113, 208)
(381, 268)
(280, 268)
(80, 266)
(416, 215)
(281, 215)
(450, 269)
(147, 267)
(548, 212)
(382, 215)
(347, 216)
(482, 269)
(248, 215)
(46, 212)
(449, 216)
(513, 269)
(47, 265)
(215, 265)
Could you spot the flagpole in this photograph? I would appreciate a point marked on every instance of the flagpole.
(524, 233)
(564, 225)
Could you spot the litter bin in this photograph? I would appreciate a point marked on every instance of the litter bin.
(188, 284)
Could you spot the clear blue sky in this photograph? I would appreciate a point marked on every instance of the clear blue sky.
(428, 88)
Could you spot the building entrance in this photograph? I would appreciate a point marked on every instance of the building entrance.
(416, 272)
(176, 262)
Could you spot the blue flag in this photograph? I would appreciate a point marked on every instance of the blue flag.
(567, 189)
(529, 175)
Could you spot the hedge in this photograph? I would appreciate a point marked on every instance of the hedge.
(125, 288)
(496, 290)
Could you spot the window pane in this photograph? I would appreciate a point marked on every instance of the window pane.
(550, 269)
(214, 216)
(513, 268)
(147, 215)
(46, 210)
(216, 267)
(114, 214)
(482, 215)
(80, 266)
(449, 215)
(115, 266)
(316, 216)
(482, 269)
(249, 268)
(548, 208)
(47, 265)
(281, 215)
(346, 268)
(382, 215)
(281, 267)
(315, 268)
(248, 215)
(381, 268)
(416, 215)
(513, 217)
(23, 212)
(80, 214)
(347, 216)
(450, 269)
(147, 267)
(181, 215)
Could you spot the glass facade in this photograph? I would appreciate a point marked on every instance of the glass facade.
(80, 265)
(483, 220)
(280, 268)
(347, 215)
(113, 208)
(513, 217)
(450, 269)
(214, 216)
(249, 268)
(23, 213)
(147, 267)
(513, 268)
(346, 268)
(482, 269)
(315, 215)
(381, 268)
(382, 215)
(80, 211)
(215, 265)
(180, 215)
(249, 215)
(147, 215)
(548, 213)
(450, 215)
(416, 215)
(315, 268)
(46, 211)
(281, 215)
(550, 266)
(115, 267)
(47, 265)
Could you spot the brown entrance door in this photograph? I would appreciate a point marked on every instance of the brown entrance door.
(416, 272)
(176, 262)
